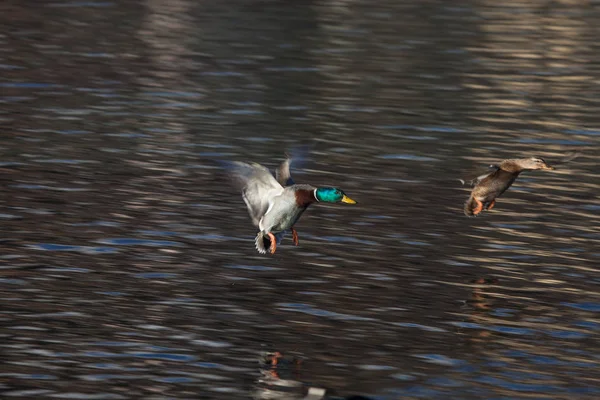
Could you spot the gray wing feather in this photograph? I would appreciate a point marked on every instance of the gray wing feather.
(299, 155)
(284, 177)
(258, 188)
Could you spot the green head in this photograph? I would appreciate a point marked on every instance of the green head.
(332, 195)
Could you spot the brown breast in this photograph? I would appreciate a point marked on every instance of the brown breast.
(305, 197)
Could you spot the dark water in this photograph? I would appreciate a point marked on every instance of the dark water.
(128, 267)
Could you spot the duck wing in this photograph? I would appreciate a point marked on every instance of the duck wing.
(298, 155)
(258, 187)
(474, 182)
(493, 170)
(283, 173)
(494, 184)
(568, 157)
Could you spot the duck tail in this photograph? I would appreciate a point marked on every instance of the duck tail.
(262, 243)
(470, 206)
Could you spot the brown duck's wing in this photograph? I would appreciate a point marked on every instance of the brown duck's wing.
(494, 184)
(568, 158)
(474, 182)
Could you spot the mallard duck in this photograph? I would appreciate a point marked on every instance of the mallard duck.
(276, 204)
(486, 188)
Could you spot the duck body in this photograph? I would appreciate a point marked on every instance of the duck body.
(486, 191)
(282, 214)
(286, 208)
(488, 187)
(275, 205)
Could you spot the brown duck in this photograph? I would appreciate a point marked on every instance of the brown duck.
(491, 185)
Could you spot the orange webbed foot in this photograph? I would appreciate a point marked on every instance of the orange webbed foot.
(491, 205)
(275, 358)
(295, 237)
(273, 243)
(479, 207)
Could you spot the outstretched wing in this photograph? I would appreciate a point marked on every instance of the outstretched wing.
(297, 155)
(474, 182)
(568, 157)
(258, 187)
(283, 175)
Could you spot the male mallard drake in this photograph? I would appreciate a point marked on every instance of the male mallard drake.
(275, 205)
(491, 185)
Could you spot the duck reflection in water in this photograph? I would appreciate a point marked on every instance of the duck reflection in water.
(281, 379)
(480, 304)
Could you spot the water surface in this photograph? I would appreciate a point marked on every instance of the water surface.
(128, 266)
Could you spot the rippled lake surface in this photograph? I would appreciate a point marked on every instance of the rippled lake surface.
(128, 267)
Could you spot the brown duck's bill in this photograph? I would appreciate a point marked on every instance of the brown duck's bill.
(549, 167)
(348, 200)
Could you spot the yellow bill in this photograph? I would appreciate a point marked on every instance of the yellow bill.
(348, 200)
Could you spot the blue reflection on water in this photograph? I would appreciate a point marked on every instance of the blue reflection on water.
(595, 307)
(139, 242)
(307, 309)
(82, 249)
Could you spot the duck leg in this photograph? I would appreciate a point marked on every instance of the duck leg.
(295, 236)
(275, 359)
(479, 207)
(273, 243)
(491, 205)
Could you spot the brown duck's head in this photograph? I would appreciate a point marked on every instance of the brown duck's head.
(522, 164)
(534, 163)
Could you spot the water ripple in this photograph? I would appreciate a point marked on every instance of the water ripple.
(307, 309)
(139, 242)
